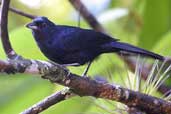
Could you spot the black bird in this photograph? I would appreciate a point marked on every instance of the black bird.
(69, 45)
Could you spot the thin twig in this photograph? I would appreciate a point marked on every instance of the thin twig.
(49, 101)
(87, 15)
(4, 29)
(22, 13)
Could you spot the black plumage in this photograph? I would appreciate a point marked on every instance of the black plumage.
(70, 45)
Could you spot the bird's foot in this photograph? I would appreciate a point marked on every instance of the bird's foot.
(56, 64)
(84, 76)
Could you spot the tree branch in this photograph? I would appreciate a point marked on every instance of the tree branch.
(4, 29)
(86, 87)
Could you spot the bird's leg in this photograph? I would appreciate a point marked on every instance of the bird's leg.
(53, 62)
(72, 64)
(86, 70)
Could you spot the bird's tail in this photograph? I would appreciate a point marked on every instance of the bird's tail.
(119, 46)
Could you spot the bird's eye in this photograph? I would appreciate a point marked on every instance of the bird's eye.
(43, 24)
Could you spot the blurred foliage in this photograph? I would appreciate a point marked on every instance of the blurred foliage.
(146, 25)
(156, 22)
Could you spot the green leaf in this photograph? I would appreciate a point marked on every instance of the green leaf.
(156, 20)
(163, 46)
(20, 92)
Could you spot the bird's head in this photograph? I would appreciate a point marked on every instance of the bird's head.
(40, 24)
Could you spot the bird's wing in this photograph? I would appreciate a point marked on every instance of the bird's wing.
(74, 38)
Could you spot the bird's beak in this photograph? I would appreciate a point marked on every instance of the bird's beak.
(32, 26)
